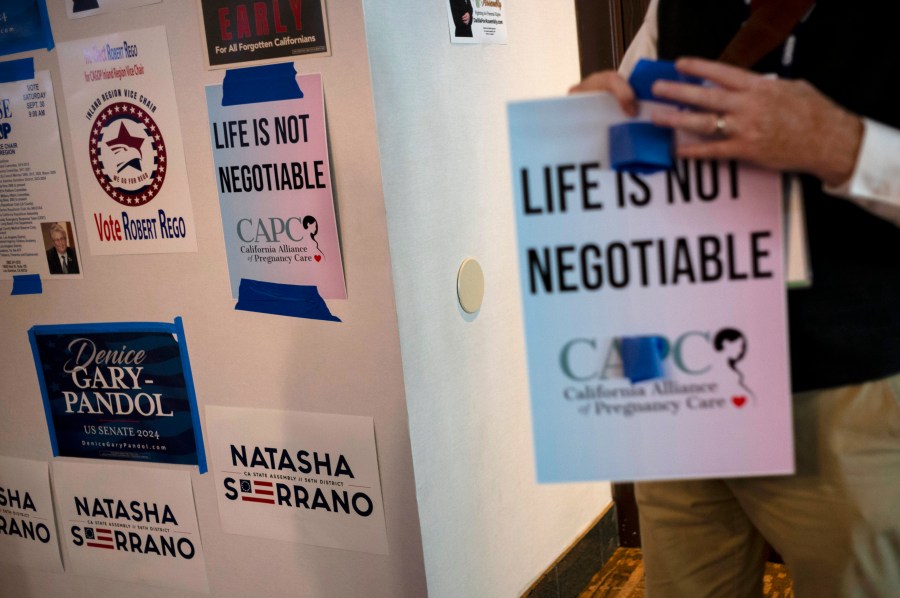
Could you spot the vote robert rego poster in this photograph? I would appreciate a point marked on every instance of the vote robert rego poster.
(692, 256)
(123, 120)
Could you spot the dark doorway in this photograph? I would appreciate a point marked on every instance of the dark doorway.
(605, 28)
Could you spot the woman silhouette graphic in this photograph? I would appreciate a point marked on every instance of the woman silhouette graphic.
(733, 345)
(310, 224)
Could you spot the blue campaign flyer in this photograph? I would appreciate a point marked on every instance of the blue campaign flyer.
(24, 26)
(119, 391)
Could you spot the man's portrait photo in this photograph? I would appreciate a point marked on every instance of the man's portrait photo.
(61, 257)
(461, 10)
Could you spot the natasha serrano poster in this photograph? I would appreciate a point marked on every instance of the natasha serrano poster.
(241, 31)
(119, 391)
(126, 139)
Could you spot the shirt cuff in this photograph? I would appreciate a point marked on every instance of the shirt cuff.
(877, 172)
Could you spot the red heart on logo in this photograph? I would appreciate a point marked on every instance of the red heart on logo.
(318, 258)
(738, 401)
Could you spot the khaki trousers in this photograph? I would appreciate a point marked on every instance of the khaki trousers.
(836, 522)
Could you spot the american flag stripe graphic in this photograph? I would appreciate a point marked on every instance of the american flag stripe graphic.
(103, 538)
(258, 492)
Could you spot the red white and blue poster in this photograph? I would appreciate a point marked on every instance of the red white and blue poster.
(682, 270)
(125, 131)
(28, 535)
(119, 391)
(310, 478)
(135, 524)
(272, 170)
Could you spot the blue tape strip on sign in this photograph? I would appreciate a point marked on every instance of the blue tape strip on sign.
(297, 301)
(192, 395)
(256, 84)
(17, 70)
(45, 22)
(642, 357)
(641, 147)
(647, 72)
(27, 284)
(35, 352)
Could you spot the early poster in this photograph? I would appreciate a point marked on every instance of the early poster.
(134, 524)
(691, 257)
(241, 31)
(77, 9)
(274, 182)
(37, 230)
(310, 478)
(27, 523)
(119, 391)
(477, 21)
(24, 26)
(127, 140)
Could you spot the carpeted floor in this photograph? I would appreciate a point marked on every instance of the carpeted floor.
(623, 577)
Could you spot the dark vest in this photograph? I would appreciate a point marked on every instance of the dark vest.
(846, 328)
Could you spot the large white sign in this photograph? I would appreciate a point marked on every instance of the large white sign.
(127, 141)
(37, 232)
(692, 256)
(310, 478)
(27, 525)
(135, 524)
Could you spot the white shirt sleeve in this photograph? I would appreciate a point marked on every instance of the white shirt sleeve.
(644, 43)
(875, 182)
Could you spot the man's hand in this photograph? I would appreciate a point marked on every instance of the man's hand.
(612, 82)
(466, 18)
(778, 124)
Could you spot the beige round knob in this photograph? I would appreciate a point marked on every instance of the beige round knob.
(470, 285)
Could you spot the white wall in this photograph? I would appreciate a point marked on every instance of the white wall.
(240, 358)
(488, 529)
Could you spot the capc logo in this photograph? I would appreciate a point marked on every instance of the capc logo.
(692, 353)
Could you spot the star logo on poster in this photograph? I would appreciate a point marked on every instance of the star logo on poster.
(127, 154)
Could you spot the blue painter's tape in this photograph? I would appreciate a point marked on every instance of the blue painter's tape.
(642, 357)
(297, 301)
(641, 147)
(27, 284)
(17, 70)
(45, 23)
(647, 72)
(192, 395)
(255, 84)
(32, 339)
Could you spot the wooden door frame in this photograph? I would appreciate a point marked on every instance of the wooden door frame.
(605, 28)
